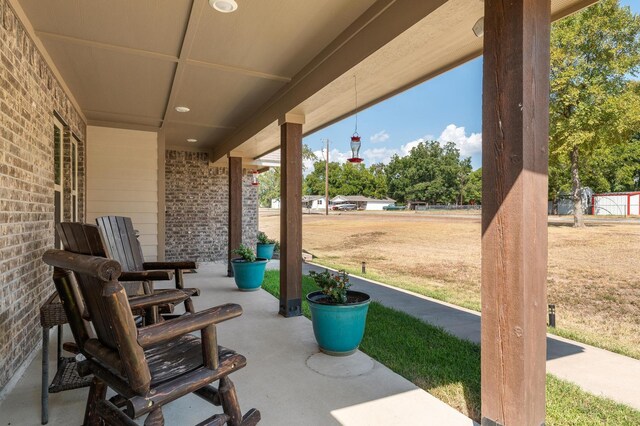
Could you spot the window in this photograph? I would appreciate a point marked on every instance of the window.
(58, 151)
(74, 178)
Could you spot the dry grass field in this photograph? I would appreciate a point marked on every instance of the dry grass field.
(594, 273)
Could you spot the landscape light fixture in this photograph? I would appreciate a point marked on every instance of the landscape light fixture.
(254, 178)
(182, 109)
(224, 6)
(355, 138)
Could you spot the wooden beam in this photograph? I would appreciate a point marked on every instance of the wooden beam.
(291, 220)
(377, 26)
(514, 210)
(235, 208)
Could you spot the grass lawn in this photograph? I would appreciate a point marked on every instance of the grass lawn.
(449, 368)
(592, 280)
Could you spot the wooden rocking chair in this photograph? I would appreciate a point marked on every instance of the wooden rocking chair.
(86, 239)
(147, 367)
(121, 244)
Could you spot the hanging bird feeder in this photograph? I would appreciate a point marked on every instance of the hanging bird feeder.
(254, 178)
(355, 149)
(355, 138)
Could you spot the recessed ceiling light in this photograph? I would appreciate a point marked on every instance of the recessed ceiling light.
(478, 27)
(224, 6)
(182, 109)
(192, 140)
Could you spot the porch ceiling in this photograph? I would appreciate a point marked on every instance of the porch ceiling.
(130, 63)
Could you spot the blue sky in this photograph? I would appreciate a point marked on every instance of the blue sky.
(446, 108)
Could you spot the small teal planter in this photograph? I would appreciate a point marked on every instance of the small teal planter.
(338, 328)
(265, 250)
(248, 275)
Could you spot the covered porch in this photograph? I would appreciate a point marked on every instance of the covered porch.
(285, 377)
(118, 79)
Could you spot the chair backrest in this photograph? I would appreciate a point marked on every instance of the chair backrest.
(108, 308)
(87, 239)
(81, 238)
(121, 242)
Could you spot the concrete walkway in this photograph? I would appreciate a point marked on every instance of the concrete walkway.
(595, 370)
(285, 377)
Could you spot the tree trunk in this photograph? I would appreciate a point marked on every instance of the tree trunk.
(576, 193)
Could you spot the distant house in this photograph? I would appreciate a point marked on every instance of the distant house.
(616, 204)
(275, 203)
(313, 202)
(362, 202)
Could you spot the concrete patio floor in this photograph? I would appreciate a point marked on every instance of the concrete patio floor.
(276, 380)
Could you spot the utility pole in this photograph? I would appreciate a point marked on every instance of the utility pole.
(326, 179)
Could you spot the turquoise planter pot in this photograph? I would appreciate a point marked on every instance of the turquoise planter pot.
(338, 328)
(265, 250)
(248, 275)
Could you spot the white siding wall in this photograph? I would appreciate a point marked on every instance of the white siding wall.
(122, 180)
(610, 205)
(377, 205)
(634, 205)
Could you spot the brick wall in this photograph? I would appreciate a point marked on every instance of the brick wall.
(197, 208)
(29, 96)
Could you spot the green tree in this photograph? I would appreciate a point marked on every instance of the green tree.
(269, 186)
(593, 103)
(269, 181)
(431, 172)
(614, 168)
(347, 179)
(472, 188)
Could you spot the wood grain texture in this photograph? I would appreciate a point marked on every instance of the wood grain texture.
(147, 367)
(97, 393)
(164, 331)
(235, 209)
(291, 220)
(514, 210)
(120, 242)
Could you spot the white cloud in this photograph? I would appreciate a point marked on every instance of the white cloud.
(406, 148)
(378, 155)
(468, 145)
(334, 156)
(381, 136)
(337, 156)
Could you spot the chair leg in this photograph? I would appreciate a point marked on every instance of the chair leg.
(229, 399)
(97, 392)
(188, 306)
(155, 418)
(251, 418)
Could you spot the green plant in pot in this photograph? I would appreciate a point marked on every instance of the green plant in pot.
(338, 314)
(266, 246)
(248, 270)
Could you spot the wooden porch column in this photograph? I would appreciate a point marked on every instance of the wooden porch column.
(291, 216)
(515, 135)
(235, 208)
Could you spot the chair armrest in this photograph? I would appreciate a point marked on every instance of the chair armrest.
(168, 330)
(146, 276)
(169, 265)
(159, 298)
